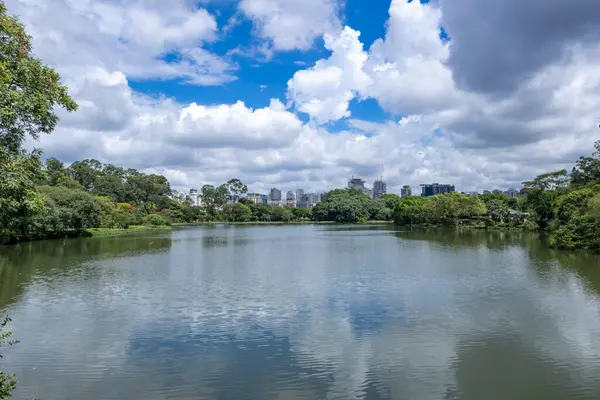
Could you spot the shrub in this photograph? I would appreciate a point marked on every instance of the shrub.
(156, 220)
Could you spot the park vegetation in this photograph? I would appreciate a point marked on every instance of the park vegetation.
(564, 205)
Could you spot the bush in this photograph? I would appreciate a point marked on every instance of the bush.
(156, 220)
(530, 225)
(580, 232)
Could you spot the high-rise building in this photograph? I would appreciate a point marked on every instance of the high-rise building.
(379, 189)
(290, 199)
(299, 194)
(406, 191)
(436, 188)
(258, 198)
(275, 195)
(308, 200)
(356, 184)
(254, 197)
(311, 199)
(195, 197)
(359, 184)
(512, 193)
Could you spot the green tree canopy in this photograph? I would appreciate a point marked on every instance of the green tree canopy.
(29, 89)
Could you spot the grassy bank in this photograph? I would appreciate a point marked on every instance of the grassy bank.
(132, 230)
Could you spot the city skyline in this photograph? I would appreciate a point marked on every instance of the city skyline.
(297, 196)
(395, 189)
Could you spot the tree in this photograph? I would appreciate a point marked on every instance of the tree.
(445, 209)
(237, 212)
(497, 209)
(410, 210)
(155, 220)
(69, 210)
(213, 198)
(29, 93)
(587, 169)
(29, 90)
(391, 201)
(235, 188)
(572, 204)
(558, 180)
(8, 382)
(86, 172)
(302, 213)
(344, 205)
(68, 182)
(542, 192)
(19, 200)
(55, 170)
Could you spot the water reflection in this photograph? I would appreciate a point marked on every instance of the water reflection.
(309, 312)
(263, 363)
(21, 263)
(465, 238)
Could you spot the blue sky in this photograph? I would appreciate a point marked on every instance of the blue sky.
(261, 79)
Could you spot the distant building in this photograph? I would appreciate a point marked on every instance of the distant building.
(436, 188)
(313, 198)
(512, 193)
(257, 198)
(497, 191)
(275, 195)
(487, 192)
(290, 199)
(379, 189)
(195, 197)
(308, 200)
(299, 194)
(356, 184)
(359, 184)
(406, 191)
(254, 197)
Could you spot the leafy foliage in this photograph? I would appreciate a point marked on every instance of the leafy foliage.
(568, 206)
(156, 220)
(444, 209)
(345, 205)
(19, 200)
(8, 382)
(29, 90)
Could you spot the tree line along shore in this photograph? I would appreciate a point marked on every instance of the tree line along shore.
(91, 198)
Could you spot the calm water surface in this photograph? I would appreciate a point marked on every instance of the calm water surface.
(302, 312)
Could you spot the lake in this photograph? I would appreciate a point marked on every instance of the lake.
(302, 312)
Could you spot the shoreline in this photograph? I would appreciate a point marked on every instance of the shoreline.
(132, 230)
(142, 229)
(208, 223)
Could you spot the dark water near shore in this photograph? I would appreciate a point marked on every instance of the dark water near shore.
(302, 312)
